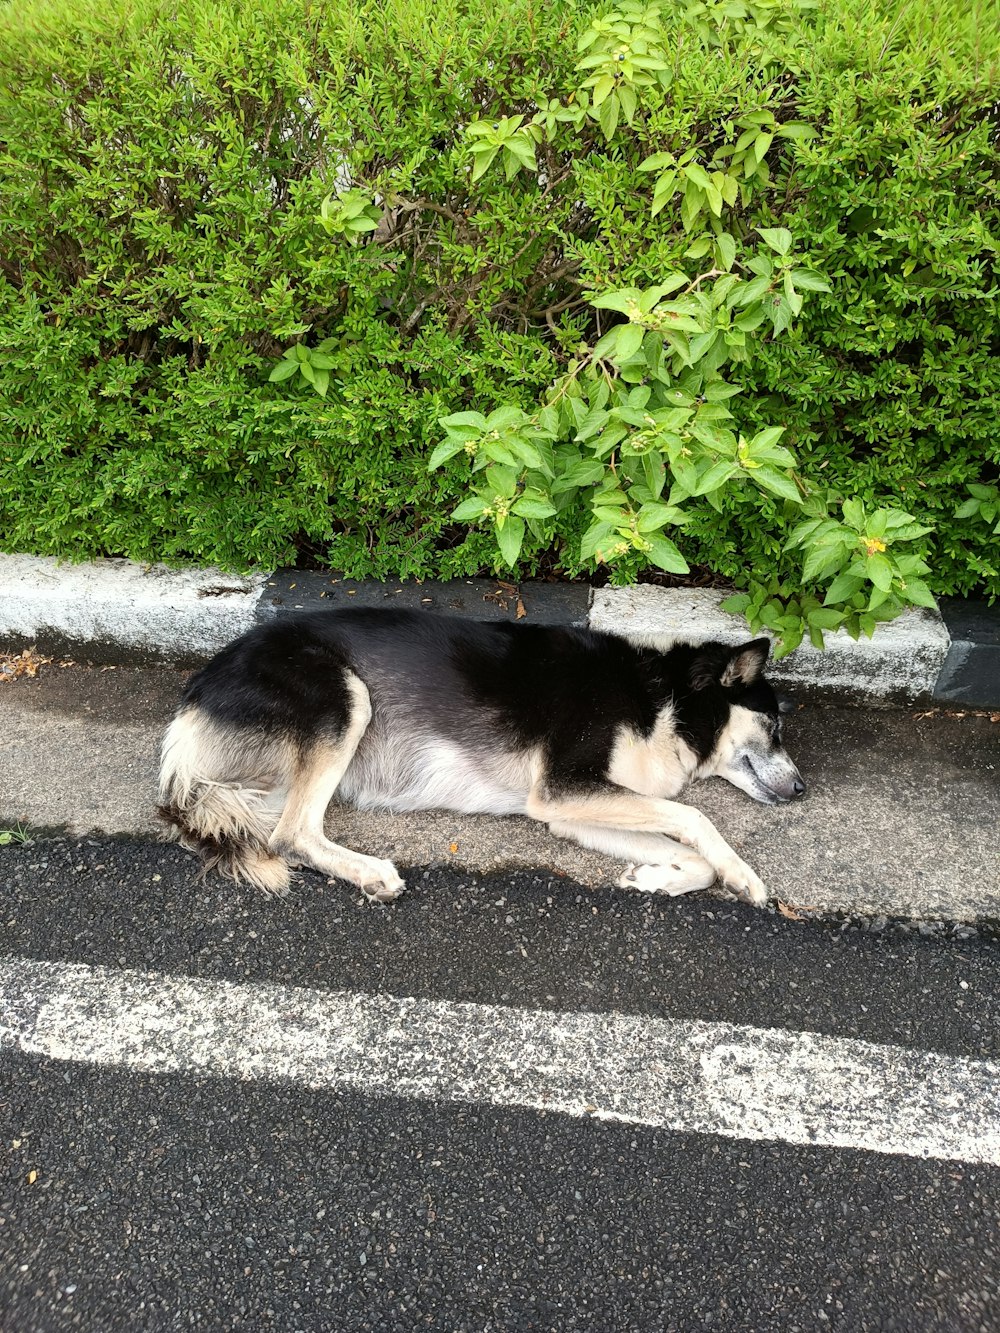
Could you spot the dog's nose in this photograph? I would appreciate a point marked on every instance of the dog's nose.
(799, 787)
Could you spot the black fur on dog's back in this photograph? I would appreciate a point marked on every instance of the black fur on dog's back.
(569, 687)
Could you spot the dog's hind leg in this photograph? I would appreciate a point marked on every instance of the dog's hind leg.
(657, 864)
(299, 835)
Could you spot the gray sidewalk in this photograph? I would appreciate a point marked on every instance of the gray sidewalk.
(902, 817)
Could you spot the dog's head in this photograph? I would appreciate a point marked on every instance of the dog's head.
(748, 748)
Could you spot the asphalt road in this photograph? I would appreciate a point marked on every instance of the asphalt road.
(138, 1201)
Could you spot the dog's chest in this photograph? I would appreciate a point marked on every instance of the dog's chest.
(660, 764)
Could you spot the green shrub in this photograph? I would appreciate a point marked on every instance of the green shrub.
(252, 255)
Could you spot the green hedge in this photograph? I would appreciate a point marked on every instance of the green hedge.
(164, 241)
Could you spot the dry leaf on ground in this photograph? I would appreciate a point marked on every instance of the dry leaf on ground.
(26, 663)
(795, 911)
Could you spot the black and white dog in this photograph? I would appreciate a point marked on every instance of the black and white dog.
(587, 732)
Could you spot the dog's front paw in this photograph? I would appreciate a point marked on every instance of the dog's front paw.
(742, 880)
(382, 883)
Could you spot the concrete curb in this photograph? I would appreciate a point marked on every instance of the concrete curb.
(121, 612)
(110, 610)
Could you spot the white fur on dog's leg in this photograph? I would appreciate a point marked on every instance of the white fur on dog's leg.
(742, 880)
(385, 886)
(673, 879)
(378, 880)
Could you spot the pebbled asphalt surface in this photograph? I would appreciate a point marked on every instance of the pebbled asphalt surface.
(167, 1202)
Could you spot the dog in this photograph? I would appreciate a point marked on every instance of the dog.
(587, 732)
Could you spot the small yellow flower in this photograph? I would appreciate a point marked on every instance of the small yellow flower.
(874, 546)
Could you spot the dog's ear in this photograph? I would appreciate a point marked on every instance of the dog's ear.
(746, 663)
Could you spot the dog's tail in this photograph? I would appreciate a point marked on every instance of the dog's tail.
(221, 795)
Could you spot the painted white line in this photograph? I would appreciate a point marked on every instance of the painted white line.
(712, 1078)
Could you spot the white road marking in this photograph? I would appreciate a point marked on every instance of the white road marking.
(713, 1078)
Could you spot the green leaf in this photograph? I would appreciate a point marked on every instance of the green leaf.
(505, 417)
(778, 238)
(627, 97)
(665, 555)
(602, 89)
(286, 369)
(528, 507)
(781, 316)
(464, 419)
(821, 561)
(842, 589)
(606, 344)
(472, 508)
(917, 591)
(718, 391)
(629, 341)
(796, 129)
(524, 450)
(778, 483)
(727, 249)
(498, 451)
(737, 604)
(664, 191)
(793, 297)
(482, 161)
(698, 175)
(445, 450)
(608, 117)
(509, 539)
(691, 206)
(808, 281)
(751, 291)
(654, 515)
(717, 475)
(503, 481)
(765, 438)
(658, 162)
(879, 571)
(825, 618)
(618, 300)
(597, 541)
(587, 472)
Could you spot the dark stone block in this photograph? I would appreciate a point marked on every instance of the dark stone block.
(478, 599)
(971, 671)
